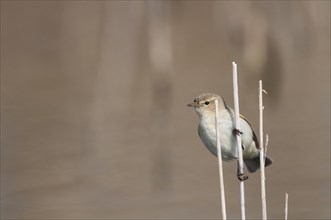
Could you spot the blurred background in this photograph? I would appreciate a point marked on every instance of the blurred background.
(94, 122)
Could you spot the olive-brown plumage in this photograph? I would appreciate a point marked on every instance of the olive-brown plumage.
(204, 105)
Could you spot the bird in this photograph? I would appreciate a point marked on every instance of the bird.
(204, 105)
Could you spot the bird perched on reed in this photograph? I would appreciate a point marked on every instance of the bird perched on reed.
(204, 105)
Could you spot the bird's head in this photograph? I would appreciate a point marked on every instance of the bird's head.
(205, 103)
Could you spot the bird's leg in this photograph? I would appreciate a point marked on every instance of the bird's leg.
(241, 176)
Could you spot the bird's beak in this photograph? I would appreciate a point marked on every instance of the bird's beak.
(193, 104)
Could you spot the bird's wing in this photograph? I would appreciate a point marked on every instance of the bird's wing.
(257, 144)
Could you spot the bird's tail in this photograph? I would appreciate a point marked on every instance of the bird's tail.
(254, 164)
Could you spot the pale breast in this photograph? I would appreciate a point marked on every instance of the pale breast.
(207, 134)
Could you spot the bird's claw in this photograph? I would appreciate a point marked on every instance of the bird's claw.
(237, 131)
(242, 177)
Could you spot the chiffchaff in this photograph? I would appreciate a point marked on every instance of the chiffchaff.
(204, 105)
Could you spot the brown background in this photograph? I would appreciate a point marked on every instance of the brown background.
(94, 122)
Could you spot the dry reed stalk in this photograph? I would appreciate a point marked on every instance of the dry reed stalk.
(237, 127)
(220, 164)
(286, 205)
(262, 157)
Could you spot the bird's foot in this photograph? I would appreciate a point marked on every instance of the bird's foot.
(237, 131)
(242, 177)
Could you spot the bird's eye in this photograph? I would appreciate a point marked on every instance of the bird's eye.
(206, 103)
